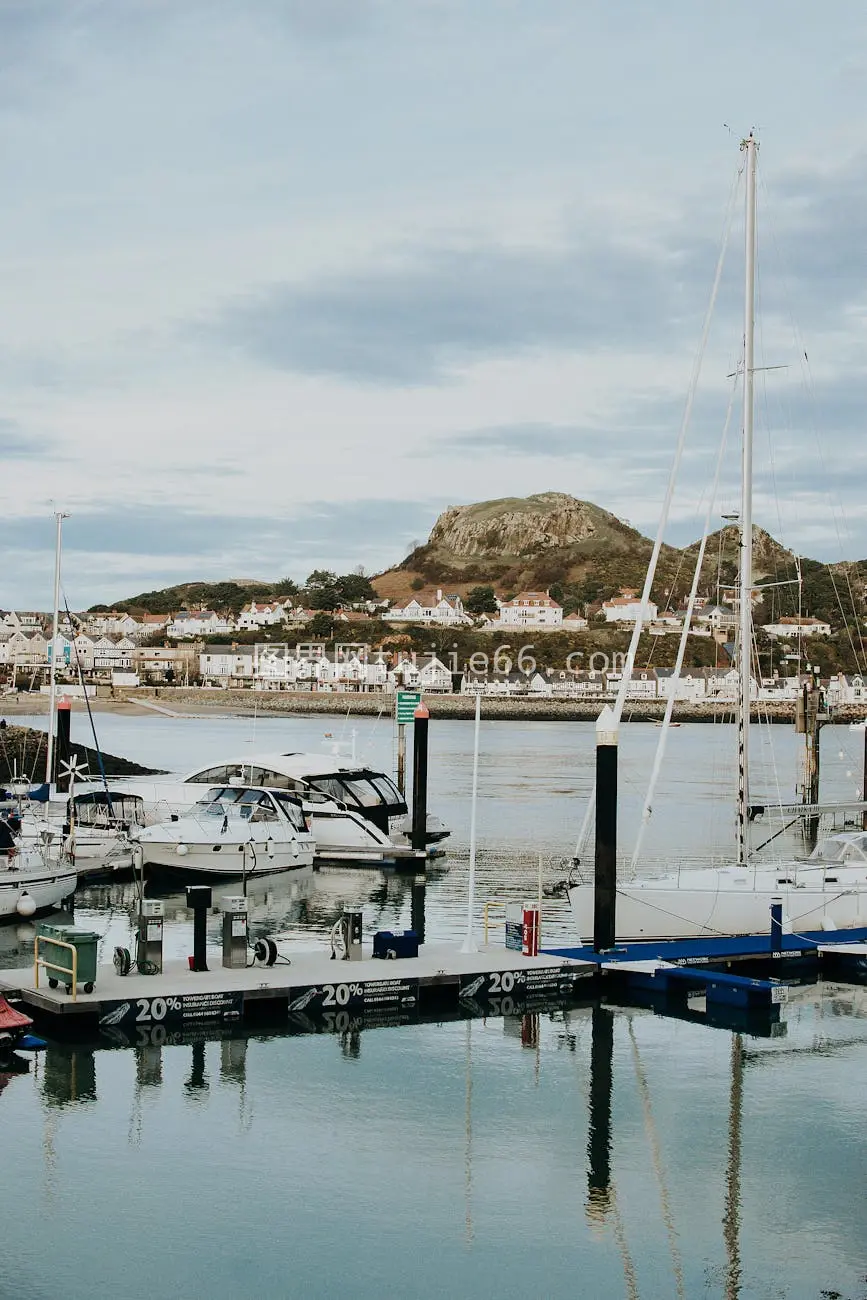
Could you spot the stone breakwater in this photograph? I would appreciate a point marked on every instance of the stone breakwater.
(23, 753)
(445, 706)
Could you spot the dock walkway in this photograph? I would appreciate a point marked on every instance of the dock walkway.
(309, 982)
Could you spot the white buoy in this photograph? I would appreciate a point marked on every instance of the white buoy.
(26, 904)
(182, 850)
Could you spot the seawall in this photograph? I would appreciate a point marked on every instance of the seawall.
(521, 708)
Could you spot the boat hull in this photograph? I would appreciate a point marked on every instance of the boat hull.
(718, 905)
(202, 863)
(47, 889)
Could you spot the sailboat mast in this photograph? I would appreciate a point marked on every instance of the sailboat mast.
(746, 529)
(52, 678)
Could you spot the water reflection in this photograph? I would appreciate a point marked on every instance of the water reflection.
(673, 1118)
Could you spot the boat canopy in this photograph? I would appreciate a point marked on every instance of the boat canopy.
(850, 847)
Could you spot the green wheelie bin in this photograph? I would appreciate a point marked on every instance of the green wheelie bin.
(53, 937)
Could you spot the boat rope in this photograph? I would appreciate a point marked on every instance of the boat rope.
(659, 756)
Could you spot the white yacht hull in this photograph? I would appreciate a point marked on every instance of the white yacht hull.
(230, 862)
(728, 901)
(47, 887)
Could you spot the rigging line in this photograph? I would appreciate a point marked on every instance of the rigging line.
(657, 545)
(87, 705)
(678, 455)
(684, 635)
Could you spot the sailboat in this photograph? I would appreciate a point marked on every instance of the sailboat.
(35, 877)
(827, 891)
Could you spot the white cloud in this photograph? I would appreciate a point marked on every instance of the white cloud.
(257, 259)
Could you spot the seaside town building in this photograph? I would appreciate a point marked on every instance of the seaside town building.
(627, 608)
(529, 609)
(442, 611)
(795, 627)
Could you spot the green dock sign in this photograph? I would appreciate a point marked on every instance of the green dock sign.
(406, 704)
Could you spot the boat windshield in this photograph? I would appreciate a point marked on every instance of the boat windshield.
(232, 801)
(849, 848)
(292, 809)
(364, 789)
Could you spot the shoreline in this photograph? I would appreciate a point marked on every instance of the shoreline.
(192, 702)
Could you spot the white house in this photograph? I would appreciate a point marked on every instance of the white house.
(22, 622)
(113, 654)
(23, 650)
(199, 622)
(691, 686)
(151, 625)
(529, 609)
(261, 614)
(794, 627)
(111, 622)
(627, 608)
(441, 611)
(221, 663)
(719, 618)
(641, 686)
(847, 688)
(574, 623)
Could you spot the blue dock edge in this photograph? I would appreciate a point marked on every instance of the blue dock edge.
(703, 952)
(681, 966)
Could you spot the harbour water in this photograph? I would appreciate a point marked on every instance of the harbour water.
(598, 1152)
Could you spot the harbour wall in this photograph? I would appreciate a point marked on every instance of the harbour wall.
(519, 708)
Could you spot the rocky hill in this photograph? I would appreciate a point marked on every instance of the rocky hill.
(579, 551)
(521, 542)
(585, 554)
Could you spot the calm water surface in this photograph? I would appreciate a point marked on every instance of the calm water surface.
(600, 1153)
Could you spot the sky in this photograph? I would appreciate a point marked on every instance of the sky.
(280, 282)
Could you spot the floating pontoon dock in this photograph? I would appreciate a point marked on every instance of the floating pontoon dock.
(310, 982)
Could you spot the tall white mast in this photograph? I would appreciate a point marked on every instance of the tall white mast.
(52, 693)
(746, 532)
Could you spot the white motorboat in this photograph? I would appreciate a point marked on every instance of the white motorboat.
(828, 890)
(368, 794)
(32, 880)
(231, 831)
(355, 814)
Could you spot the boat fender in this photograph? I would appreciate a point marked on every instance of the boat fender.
(6, 1051)
(122, 960)
(26, 905)
(182, 850)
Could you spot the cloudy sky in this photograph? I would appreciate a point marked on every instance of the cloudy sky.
(281, 280)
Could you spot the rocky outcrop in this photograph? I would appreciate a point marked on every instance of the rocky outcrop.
(520, 526)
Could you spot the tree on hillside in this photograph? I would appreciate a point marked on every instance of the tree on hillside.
(481, 600)
(285, 587)
(321, 591)
(321, 625)
(354, 588)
